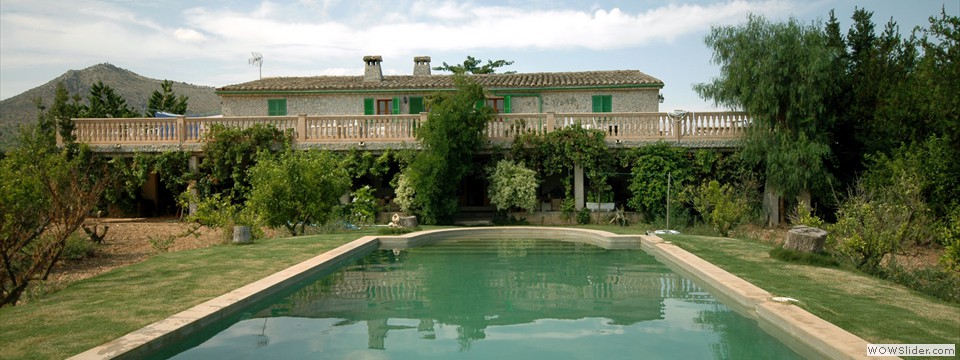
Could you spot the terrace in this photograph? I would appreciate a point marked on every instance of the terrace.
(340, 132)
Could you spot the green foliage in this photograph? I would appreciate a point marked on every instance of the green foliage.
(231, 152)
(558, 151)
(360, 164)
(78, 247)
(787, 135)
(583, 216)
(649, 166)
(104, 102)
(363, 208)
(451, 136)
(924, 167)
(937, 282)
(472, 66)
(60, 115)
(719, 204)
(803, 257)
(396, 230)
(513, 185)
(950, 233)
(130, 173)
(802, 215)
(296, 189)
(45, 194)
(161, 243)
(166, 101)
(867, 229)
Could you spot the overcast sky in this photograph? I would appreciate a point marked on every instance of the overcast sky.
(210, 42)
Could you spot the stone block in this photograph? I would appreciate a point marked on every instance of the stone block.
(805, 239)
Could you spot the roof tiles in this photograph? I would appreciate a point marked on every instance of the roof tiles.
(529, 80)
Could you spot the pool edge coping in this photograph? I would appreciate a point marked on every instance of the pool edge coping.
(808, 330)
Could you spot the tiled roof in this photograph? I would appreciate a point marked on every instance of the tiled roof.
(624, 78)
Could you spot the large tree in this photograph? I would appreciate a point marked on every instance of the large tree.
(783, 74)
(472, 66)
(166, 101)
(451, 136)
(45, 194)
(104, 102)
(297, 188)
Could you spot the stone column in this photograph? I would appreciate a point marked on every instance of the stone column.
(194, 165)
(578, 186)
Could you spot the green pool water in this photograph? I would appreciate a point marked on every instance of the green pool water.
(494, 299)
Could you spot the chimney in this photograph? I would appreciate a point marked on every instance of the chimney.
(372, 72)
(421, 66)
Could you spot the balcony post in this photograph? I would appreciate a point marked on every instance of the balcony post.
(301, 127)
(551, 118)
(181, 129)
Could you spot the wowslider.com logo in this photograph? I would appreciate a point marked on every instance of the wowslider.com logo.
(911, 350)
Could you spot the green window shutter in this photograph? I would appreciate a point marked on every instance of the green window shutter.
(368, 106)
(416, 105)
(396, 105)
(507, 105)
(602, 103)
(276, 107)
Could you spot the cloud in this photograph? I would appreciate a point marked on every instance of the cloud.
(426, 26)
(189, 35)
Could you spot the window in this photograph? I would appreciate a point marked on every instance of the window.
(373, 106)
(276, 107)
(500, 105)
(416, 105)
(602, 103)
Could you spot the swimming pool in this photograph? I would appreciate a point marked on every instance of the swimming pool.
(608, 304)
(482, 299)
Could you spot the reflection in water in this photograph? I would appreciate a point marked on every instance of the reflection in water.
(482, 299)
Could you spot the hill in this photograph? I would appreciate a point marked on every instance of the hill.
(134, 88)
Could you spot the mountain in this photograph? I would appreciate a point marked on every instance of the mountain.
(134, 88)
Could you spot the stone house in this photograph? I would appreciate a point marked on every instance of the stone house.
(376, 94)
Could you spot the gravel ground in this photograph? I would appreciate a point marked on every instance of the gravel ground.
(128, 242)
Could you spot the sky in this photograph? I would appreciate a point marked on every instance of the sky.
(210, 42)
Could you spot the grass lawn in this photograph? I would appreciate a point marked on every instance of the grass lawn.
(96, 310)
(879, 311)
(93, 311)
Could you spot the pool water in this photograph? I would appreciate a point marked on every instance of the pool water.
(495, 299)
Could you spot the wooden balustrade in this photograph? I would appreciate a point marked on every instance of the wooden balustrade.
(403, 128)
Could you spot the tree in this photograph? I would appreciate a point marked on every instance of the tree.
(231, 152)
(453, 133)
(297, 188)
(166, 101)
(45, 194)
(783, 75)
(513, 185)
(59, 116)
(104, 102)
(471, 66)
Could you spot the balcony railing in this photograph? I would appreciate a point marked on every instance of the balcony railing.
(402, 128)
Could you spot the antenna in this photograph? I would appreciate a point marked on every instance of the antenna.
(257, 60)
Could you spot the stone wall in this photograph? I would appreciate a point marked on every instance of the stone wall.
(643, 100)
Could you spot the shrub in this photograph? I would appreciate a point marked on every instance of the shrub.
(363, 208)
(802, 257)
(296, 189)
(802, 215)
(78, 247)
(513, 185)
(649, 168)
(950, 233)
(583, 216)
(396, 230)
(719, 205)
(867, 230)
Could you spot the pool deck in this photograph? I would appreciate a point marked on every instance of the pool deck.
(807, 334)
